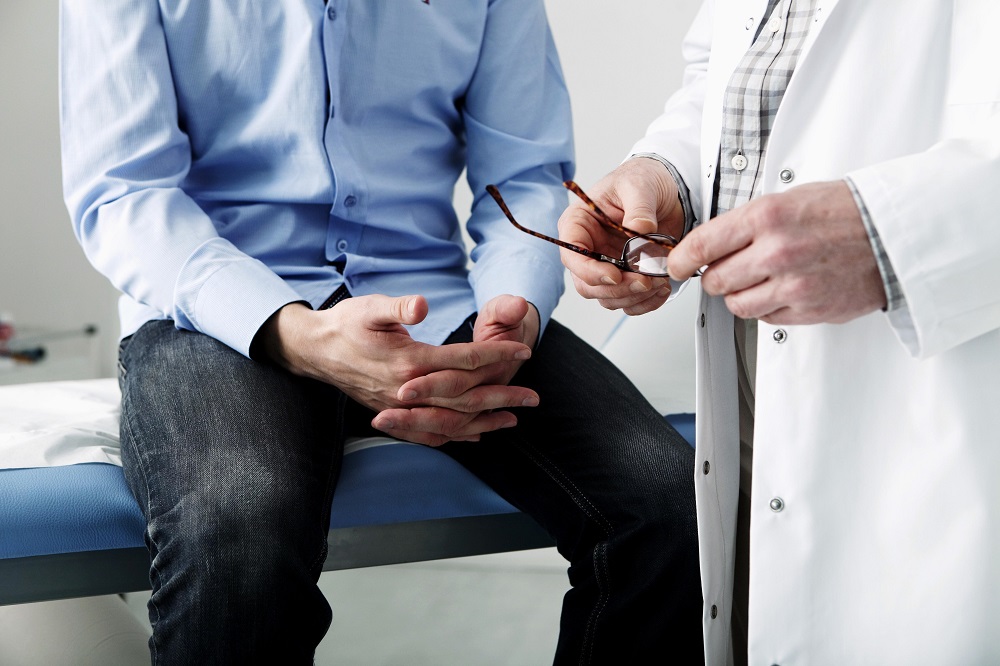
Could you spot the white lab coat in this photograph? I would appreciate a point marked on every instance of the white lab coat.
(881, 436)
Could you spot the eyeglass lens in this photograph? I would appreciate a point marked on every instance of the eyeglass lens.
(644, 256)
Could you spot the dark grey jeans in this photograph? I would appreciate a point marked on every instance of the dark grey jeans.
(234, 464)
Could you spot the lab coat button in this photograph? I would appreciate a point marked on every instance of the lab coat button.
(780, 336)
(331, 13)
(777, 504)
(706, 467)
(786, 175)
(715, 611)
(749, 23)
(701, 320)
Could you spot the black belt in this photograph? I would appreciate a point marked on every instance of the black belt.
(336, 297)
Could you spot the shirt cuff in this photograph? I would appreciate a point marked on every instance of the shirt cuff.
(683, 194)
(236, 301)
(893, 293)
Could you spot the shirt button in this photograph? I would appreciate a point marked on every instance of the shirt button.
(342, 245)
(739, 162)
(777, 504)
(350, 201)
(774, 25)
(786, 175)
(706, 467)
(331, 13)
(780, 336)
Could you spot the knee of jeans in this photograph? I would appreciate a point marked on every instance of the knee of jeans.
(240, 528)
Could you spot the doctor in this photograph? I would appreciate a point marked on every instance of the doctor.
(834, 169)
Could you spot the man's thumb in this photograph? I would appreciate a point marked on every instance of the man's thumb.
(407, 310)
(641, 217)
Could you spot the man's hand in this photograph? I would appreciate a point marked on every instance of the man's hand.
(362, 347)
(460, 400)
(800, 257)
(642, 195)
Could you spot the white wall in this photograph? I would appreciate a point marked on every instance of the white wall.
(44, 278)
(620, 61)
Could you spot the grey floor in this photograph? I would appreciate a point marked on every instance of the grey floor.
(493, 610)
(496, 610)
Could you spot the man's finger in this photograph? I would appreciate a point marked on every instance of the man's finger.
(578, 227)
(462, 392)
(435, 426)
(708, 243)
(469, 355)
(737, 272)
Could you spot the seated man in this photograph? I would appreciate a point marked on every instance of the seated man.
(270, 186)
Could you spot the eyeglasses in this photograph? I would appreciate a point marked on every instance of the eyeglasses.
(645, 254)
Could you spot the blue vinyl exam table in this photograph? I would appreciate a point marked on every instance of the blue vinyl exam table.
(75, 530)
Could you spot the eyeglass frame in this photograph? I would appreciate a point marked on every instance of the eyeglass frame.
(663, 240)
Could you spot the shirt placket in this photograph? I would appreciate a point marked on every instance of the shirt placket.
(349, 194)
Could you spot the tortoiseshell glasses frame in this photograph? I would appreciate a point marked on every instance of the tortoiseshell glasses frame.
(645, 254)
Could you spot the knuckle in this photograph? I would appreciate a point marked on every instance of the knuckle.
(782, 255)
(473, 358)
(767, 212)
(608, 304)
(471, 403)
(798, 290)
(711, 283)
(405, 369)
(739, 307)
(698, 248)
(454, 386)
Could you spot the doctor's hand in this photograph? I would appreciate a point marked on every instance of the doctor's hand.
(799, 257)
(469, 393)
(641, 195)
(362, 348)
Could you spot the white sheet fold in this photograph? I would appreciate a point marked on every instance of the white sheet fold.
(59, 423)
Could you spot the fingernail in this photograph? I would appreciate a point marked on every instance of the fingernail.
(638, 287)
(509, 424)
(409, 395)
(523, 355)
(664, 292)
(384, 424)
(608, 281)
(530, 402)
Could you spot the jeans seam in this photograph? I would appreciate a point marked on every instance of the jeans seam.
(331, 488)
(126, 423)
(600, 555)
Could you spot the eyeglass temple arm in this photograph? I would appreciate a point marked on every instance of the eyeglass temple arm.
(495, 193)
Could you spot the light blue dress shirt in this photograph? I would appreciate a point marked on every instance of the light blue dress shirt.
(218, 155)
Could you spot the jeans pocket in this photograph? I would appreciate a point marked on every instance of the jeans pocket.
(122, 369)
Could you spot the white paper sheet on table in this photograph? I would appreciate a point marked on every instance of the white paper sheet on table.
(66, 423)
(59, 423)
